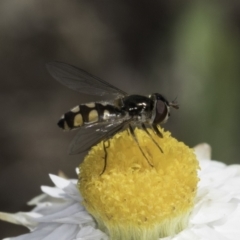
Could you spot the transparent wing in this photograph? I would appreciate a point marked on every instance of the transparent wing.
(81, 81)
(88, 137)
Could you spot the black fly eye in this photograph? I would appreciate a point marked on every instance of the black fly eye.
(161, 111)
(160, 107)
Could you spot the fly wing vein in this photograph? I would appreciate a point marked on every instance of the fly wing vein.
(81, 81)
(88, 137)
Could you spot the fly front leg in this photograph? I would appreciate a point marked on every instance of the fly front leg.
(136, 140)
(149, 134)
(156, 130)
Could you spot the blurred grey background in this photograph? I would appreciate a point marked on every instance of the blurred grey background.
(184, 49)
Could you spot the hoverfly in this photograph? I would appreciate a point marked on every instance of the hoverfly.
(99, 121)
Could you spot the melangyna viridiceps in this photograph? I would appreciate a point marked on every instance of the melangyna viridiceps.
(99, 121)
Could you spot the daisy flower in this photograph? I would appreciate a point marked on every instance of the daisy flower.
(179, 194)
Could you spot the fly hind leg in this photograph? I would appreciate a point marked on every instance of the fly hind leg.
(105, 155)
(118, 128)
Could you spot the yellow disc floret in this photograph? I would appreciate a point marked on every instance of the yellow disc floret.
(138, 198)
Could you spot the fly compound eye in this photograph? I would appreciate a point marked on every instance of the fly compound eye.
(160, 107)
(161, 112)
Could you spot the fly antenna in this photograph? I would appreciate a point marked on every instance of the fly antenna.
(174, 103)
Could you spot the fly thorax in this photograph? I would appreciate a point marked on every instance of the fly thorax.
(118, 102)
(145, 117)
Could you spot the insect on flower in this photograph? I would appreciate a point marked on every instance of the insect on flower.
(99, 121)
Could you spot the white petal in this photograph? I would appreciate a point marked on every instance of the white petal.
(59, 182)
(77, 171)
(68, 187)
(63, 211)
(62, 232)
(51, 232)
(203, 151)
(45, 200)
(82, 217)
(207, 233)
(21, 218)
(38, 199)
(236, 167)
(89, 233)
(54, 192)
(52, 208)
(211, 211)
(73, 192)
(186, 234)
(231, 228)
(210, 166)
(216, 175)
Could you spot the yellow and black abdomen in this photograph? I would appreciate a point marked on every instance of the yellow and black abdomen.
(89, 113)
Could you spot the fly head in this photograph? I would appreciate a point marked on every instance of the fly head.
(162, 108)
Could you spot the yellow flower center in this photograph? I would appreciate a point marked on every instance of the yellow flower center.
(133, 200)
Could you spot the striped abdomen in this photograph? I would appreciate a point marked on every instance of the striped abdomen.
(88, 113)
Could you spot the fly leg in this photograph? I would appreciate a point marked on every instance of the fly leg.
(106, 139)
(148, 133)
(105, 155)
(136, 140)
(156, 130)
